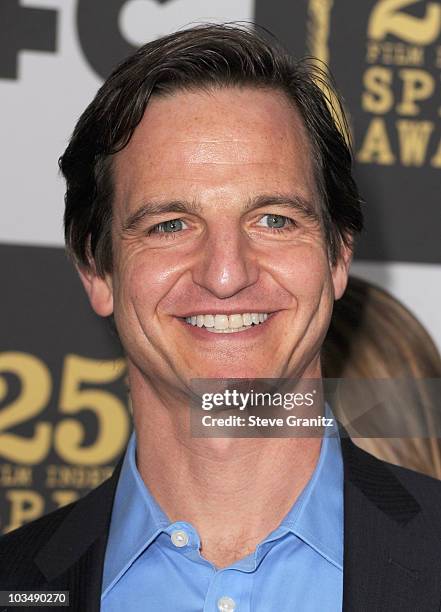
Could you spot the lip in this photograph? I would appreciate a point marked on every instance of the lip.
(251, 333)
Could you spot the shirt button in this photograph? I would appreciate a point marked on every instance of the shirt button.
(226, 604)
(179, 538)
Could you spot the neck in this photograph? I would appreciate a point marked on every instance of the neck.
(234, 491)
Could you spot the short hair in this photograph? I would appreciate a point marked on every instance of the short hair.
(201, 57)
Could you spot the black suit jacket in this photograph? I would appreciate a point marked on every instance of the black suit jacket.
(392, 542)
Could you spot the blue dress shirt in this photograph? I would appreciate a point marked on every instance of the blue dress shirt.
(154, 565)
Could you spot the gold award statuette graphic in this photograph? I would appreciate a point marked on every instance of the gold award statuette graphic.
(318, 27)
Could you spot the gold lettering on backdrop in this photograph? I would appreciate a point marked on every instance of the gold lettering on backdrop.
(414, 138)
(387, 18)
(59, 476)
(394, 54)
(36, 388)
(81, 379)
(436, 159)
(68, 435)
(405, 92)
(377, 96)
(110, 413)
(26, 506)
(417, 85)
(376, 146)
(15, 475)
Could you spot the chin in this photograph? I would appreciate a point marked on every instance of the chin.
(236, 371)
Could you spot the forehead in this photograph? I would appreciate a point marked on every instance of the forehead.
(216, 140)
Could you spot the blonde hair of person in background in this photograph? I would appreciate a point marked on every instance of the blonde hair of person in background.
(373, 336)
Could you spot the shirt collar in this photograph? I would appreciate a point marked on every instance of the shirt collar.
(136, 520)
(316, 517)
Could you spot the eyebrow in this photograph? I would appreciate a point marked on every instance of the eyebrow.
(293, 202)
(157, 209)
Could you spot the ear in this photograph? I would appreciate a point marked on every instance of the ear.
(340, 271)
(98, 289)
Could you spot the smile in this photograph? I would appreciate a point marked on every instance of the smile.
(227, 324)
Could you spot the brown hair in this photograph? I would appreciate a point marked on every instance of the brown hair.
(373, 336)
(200, 57)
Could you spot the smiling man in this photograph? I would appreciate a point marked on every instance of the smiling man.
(211, 210)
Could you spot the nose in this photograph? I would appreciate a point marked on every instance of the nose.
(226, 264)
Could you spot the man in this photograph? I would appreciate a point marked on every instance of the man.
(211, 211)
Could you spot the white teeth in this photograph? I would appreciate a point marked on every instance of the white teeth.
(235, 321)
(227, 331)
(222, 323)
(246, 318)
(209, 320)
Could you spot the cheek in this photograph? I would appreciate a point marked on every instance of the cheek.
(304, 272)
(145, 279)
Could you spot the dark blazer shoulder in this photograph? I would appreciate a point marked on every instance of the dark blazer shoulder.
(36, 553)
(392, 536)
(415, 482)
(399, 492)
(18, 548)
(38, 528)
(425, 489)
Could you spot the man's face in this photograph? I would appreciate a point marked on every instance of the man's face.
(216, 213)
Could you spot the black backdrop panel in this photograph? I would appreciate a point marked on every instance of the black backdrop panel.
(386, 60)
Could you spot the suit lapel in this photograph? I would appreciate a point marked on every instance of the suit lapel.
(387, 544)
(73, 558)
(389, 550)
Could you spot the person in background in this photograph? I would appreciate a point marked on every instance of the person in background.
(373, 336)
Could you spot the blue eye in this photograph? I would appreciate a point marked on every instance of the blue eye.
(278, 223)
(173, 225)
(166, 227)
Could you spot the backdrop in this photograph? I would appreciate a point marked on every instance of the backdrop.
(63, 412)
